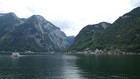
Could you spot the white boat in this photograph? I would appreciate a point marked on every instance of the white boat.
(15, 54)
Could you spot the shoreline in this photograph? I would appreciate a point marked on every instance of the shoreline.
(86, 52)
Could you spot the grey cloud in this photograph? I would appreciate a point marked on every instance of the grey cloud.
(135, 3)
(63, 24)
(67, 27)
(31, 10)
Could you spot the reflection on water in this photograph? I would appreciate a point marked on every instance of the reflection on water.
(111, 67)
(39, 67)
(69, 67)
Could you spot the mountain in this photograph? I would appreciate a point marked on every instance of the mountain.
(123, 34)
(86, 36)
(31, 34)
(8, 22)
(70, 39)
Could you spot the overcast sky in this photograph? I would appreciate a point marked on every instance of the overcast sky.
(70, 15)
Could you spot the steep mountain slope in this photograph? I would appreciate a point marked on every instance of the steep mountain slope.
(34, 34)
(123, 34)
(70, 39)
(85, 37)
(8, 22)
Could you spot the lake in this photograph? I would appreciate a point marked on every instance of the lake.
(69, 67)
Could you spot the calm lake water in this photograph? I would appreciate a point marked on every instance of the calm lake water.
(69, 67)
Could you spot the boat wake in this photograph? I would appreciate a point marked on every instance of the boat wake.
(15, 54)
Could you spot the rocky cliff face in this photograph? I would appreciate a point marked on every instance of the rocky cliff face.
(8, 22)
(34, 34)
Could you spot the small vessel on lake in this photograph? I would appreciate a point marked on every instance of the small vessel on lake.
(15, 54)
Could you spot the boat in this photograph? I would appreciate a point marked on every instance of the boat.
(15, 54)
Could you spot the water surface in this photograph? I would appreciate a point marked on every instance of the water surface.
(69, 67)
